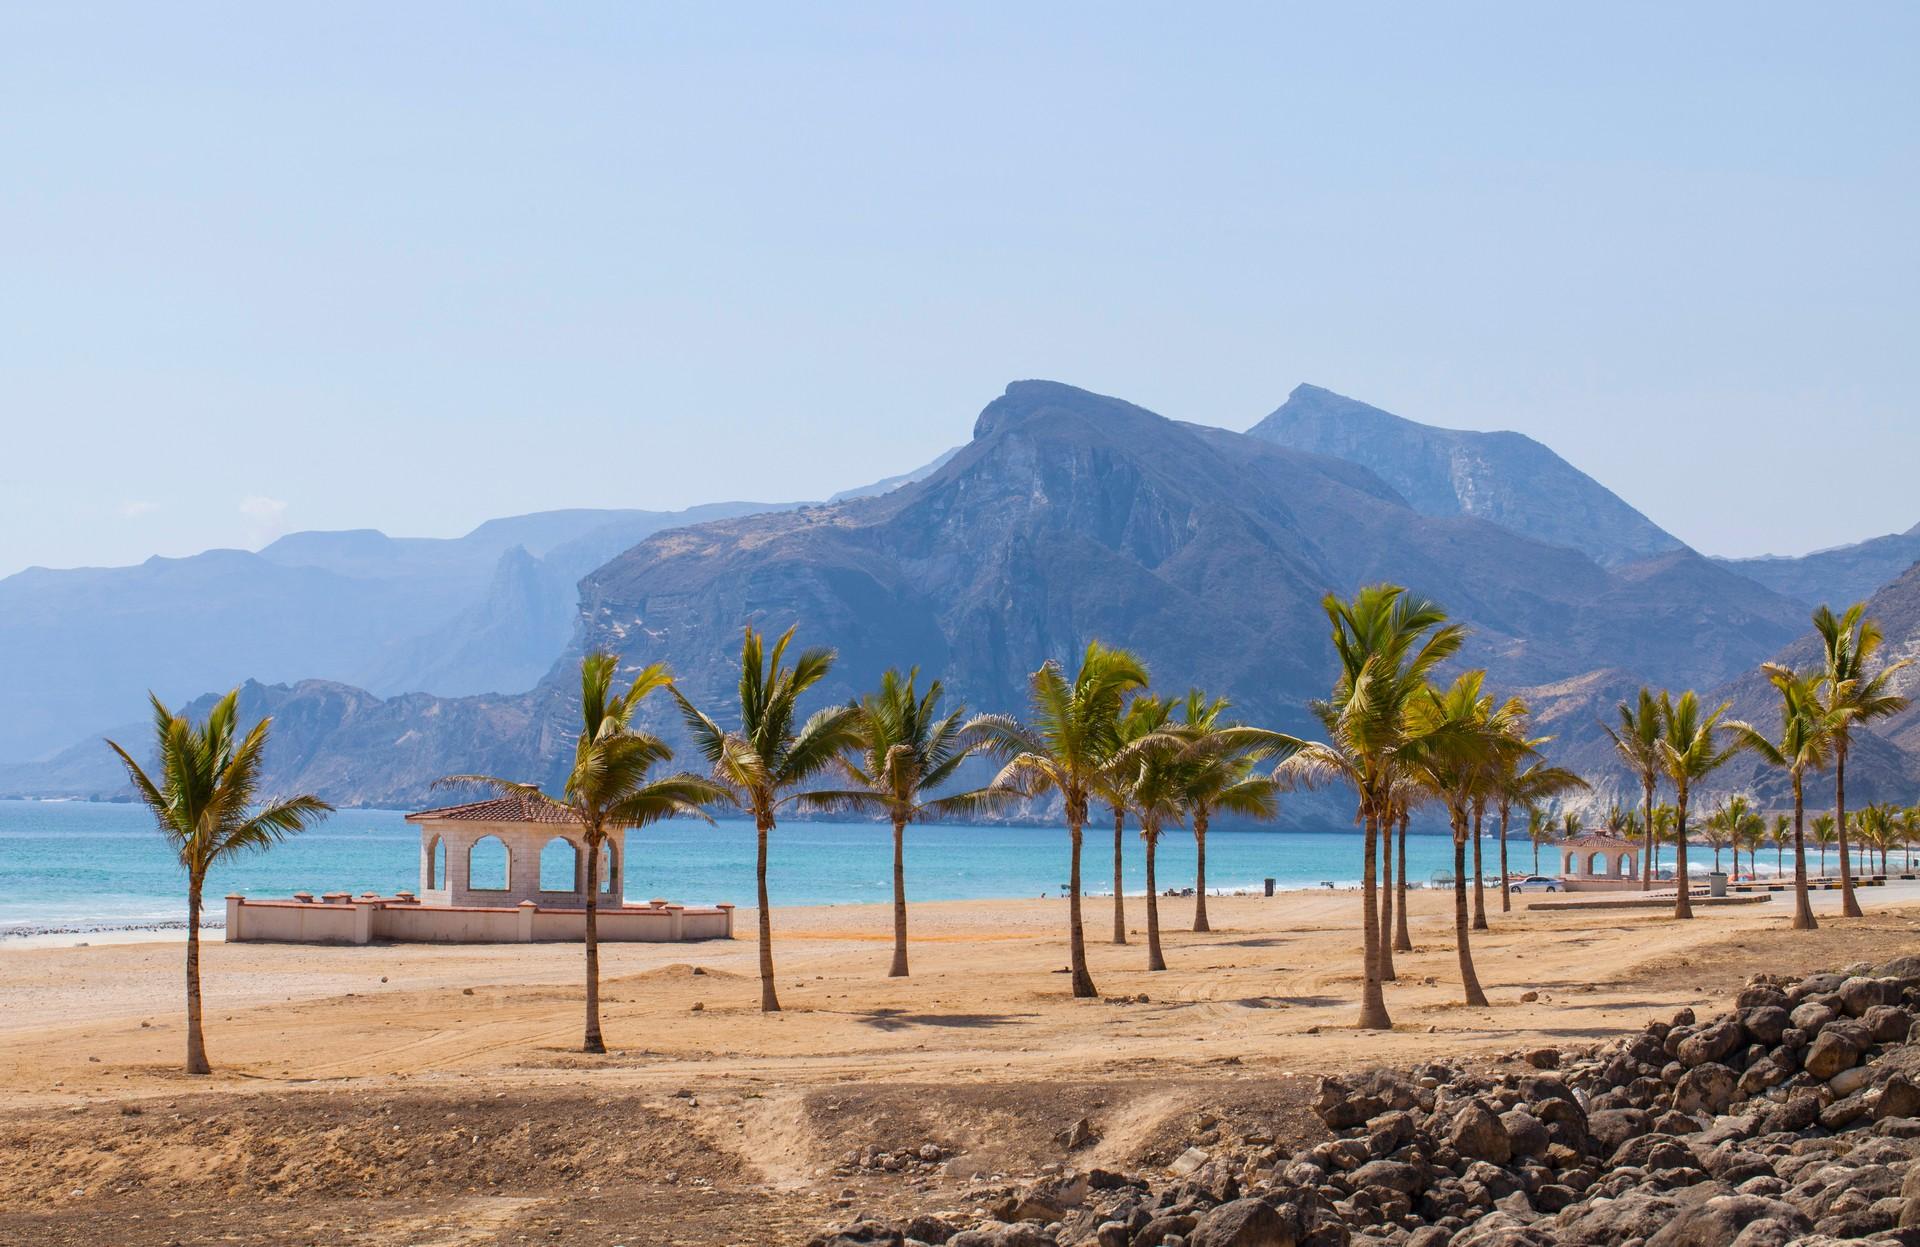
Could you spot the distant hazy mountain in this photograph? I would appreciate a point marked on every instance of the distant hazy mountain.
(1068, 516)
(1839, 576)
(481, 613)
(890, 483)
(1505, 478)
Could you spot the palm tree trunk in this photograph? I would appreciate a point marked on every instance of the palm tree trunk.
(1802, 908)
(899, 968)
(1849, 903)
(1469, 981)
(1373, 1001)
(1652, 847)
(1536, 855)
(1119, 878)
(1387, 972)
(1200, 873)
(769, 1001)
(1683, 891)
(1506, 896)
(1154, 960)
(1083, 987)
(592, 1042)
(196, 1041)
(1401, 939)
(1479, 888)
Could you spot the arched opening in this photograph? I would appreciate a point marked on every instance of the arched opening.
(609, 868)
(1567, 866)
(436, 864)
(560, 866)
(1597, 864)
(1628, 867)
(487, 865)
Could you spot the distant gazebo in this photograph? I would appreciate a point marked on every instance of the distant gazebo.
(1597, 859)
(511, 849)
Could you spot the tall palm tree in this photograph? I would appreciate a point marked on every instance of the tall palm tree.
(1456, 736)
(1387, 643)
(609, 787)
(1852, 695)
(1217, 776)
(1074, 736)
(204, 803)
(762, 765)
(905, 750)
(1113, 786)
(1637, 741)
(1406, 795)
(1806, 743)
(1690, 751)
(1526, 786)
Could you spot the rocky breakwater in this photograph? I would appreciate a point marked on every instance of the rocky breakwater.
(1792, 1119)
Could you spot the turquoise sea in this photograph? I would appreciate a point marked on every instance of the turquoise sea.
(81, 866)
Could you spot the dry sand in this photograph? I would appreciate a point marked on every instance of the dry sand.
(432, 1095)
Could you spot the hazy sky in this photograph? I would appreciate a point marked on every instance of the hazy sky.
(410, 266)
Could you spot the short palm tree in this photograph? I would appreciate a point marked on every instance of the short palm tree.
(1749, 833)
(1690, 751)
(762, 765)
(1114, 786)
(1526, 785)
(1823, 835)
(1878, 828)
(1805, 744)
(1541, 828)
(1717, 830)
(1780, 831)
(204, 804)
(1387, 643)
(1637, 741)
(1154, 794)
(1851, 694)
(1074, 736)
(1217, 761)
(906, 751)
(1456, 736)
(610, 787)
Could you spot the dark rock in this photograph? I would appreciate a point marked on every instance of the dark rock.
(1765, 1023)
(1244, 1223)
(1609, 1128)
(1157, 1230)
(1899, 1097)
(1834, 1050)
(1811, 1017)
(1857, 995)
(1706, 1088)
(1526, 1133)
(1391, 1174)
(1887, 1023)
(1711, 1043)
(1476, 1132)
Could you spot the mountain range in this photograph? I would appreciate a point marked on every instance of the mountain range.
(1067, 516)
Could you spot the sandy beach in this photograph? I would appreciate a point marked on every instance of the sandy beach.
(432, 1095)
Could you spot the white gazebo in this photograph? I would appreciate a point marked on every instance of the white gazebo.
(1598, 863)
(507, 870)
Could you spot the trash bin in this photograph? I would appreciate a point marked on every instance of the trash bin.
(1716, 883)
(1269, 887)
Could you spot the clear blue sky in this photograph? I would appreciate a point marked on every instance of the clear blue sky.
(409, 266)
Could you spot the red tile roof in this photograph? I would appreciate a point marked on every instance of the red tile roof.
(505, 809)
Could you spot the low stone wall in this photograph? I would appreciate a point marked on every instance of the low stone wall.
(341, 919)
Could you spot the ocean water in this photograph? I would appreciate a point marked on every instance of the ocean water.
(85, 866)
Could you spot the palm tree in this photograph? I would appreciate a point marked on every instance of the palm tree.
(1749, 833)
(1663, 819)
(1779, 831)
(1387, 643)
(905, 750)
(1154, 793)
(1406, 795)
(1717, 830)
(760, 766)
(1526, 786)
(1849, 694)
(1823, 834)
(1637, 741)
(1806, 743)
(204, 804)
(1690, 751)
(1217, 777)
(1540, 829)
(609, 788)
(1456, 736)
(1074, 737)
(1878, 828)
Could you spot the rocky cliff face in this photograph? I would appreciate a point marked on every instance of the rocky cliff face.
(1505, 478)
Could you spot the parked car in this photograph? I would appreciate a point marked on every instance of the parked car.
(1534, 883)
